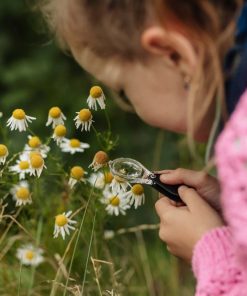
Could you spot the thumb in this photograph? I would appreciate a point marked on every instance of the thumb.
(191, 198)
(163, 205)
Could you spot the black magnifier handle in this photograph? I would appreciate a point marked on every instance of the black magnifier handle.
(171, 191)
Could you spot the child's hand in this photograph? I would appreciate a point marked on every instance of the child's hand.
(206, 186)
(181, 227)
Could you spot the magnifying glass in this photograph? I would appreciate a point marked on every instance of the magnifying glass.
(134, 172)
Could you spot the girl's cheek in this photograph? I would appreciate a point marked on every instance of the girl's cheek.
(164, 120)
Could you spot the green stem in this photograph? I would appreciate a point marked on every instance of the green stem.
(98, 138)
(88, 254)
(48, 142)
(145, 261)
(37, 194)
(39, 230)
(31, 132)
(60, 264)
(174, 278)
(108, 120)
(10, 225)
(77, 239)
(19, 283)
(8, 162)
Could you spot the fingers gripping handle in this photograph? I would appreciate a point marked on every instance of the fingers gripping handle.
(171, 191)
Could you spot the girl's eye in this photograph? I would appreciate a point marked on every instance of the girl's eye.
(123, 101)
(123, 96)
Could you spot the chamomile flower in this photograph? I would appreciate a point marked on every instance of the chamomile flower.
(59, 133)
(108, 177)
(30, 255)
(109, 234)
(22, 166)
(84, 119)
(116, 204)
(77, 174)
(62, 224)
(35, 144)
(99, 180)
(119, 184)
(21, 194)
(55, 117)
(100, 159)
(37, 164)
(3, 153)
(19, 120)
(96, 96)
(73, 145)
(136, 195)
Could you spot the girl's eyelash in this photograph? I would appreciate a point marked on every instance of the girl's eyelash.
(121, 92)
(124, 101)
(122, 95)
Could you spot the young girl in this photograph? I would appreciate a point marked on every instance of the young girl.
(167, 57)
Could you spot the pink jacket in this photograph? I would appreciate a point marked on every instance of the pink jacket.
(220, 257)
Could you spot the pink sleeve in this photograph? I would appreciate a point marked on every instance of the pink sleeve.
(231, 158)
(220, 257)
(215, 267)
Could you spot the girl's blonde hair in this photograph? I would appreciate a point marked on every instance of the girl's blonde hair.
(112, 28)
(211, 25)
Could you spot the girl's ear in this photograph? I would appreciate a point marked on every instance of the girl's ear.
(175, 47)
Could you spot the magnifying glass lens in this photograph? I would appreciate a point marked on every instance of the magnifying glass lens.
(126, 168)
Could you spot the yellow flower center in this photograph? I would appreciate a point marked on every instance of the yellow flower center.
(74, 143)
(23, 165)
(55, 112)
(61, 220)
(60, 130)
(19, 114)
(29, 255)
(3, 150)
(34, 142)
(108, 177)
(85, 115)
(115, 201)
(36, 161)
(77, 172)
(137, 189)
(101, 157)
(119, 179)
(33, 153)
(23, 193)
(96, 92)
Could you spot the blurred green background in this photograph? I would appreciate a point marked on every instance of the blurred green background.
(35, 75)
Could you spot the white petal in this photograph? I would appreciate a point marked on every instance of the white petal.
(62, 232)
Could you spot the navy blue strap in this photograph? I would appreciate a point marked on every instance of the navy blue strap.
(236, 64)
